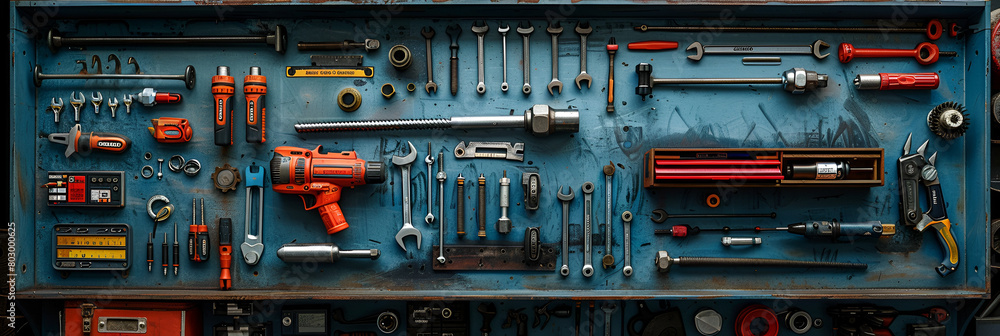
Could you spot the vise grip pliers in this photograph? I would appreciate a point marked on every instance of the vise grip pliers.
(916, 168)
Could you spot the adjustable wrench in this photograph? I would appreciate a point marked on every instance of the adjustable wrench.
(428, 33)
(512, 151)
(96, 98)
(77, 104)
(565, 199)
(404, 163)
(429, 159)
(480, 29)
(554, 30)
(441, 177)
(453, 32)
(56, 108)
(627, 223)
(525, 29)
(503, 29)
(588, 225)
(608, 260)
(583, 29)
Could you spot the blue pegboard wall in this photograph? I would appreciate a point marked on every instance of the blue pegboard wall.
(710, 116)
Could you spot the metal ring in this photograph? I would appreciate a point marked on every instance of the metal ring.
(147, 156)
(713, 201)
(192, 167)
(180, 163)
(159, 198)
(147, 168)
(799, 322)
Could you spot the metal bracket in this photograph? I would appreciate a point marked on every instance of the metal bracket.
(509, 150)
(532, 185)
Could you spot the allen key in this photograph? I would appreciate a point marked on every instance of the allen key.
(187, 77)
(278, 39)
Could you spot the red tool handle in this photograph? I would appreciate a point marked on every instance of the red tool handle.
(900, 81)
(167, 98)
(925, 53)
(652, 45)
(107, 142)
(255, 89)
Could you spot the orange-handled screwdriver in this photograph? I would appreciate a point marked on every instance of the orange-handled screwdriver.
(223, 88)
(255, 89)
(225, 252)
(77, 141)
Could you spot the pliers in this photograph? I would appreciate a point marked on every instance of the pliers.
(913, 169)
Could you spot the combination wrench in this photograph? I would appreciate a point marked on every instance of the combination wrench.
(815, 49)
(627, 226)
(454, 31)
(609, 310)
(565, 199)
(608, 260)
(588, 225)
(480, 29)
(429, 159)
(404, 163)
(441, 177)
(583, 29)
(554, 30)
(428, 33)
(525, 29)
(503, 29)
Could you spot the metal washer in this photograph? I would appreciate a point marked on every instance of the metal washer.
(145, 169)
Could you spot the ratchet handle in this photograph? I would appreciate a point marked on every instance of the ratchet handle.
(652, 45)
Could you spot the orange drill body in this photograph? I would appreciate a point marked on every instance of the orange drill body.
(223, 89)
(255, 90)
(302, 172)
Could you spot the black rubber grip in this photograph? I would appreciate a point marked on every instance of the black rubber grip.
(460, 207)
(454, 76)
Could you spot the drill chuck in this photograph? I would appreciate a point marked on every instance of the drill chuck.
(374, 173)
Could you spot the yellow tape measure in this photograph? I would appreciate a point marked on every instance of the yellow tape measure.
(91, 254)
(90, 241)
(91, 247)
(327, 72)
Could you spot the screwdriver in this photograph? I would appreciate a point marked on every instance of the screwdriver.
(223, 88)
(810, 229)
(198, 243)
(177, 251)
(254, 89)
(166, 253)
(149, 252)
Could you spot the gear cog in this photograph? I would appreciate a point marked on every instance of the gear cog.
(948, 120)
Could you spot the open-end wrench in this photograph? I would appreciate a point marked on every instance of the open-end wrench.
(453, 32)
(96, 98)
(554, 30)
(525, 29)
(583, 29)
(815, 49)
(480, 29)
(428, 33)
(127, 100)
(503, 29)
(77, 104)
(565, 199)
(113, 105)
(441, 177)
(627, 224)
(56, 108)
(609, 310)
(609, 259)
(588, 226)
(429, 160)
(404, 163)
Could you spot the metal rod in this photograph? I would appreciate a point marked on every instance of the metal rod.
(188, 77)
(277, 39)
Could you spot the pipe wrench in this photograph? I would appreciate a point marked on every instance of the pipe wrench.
(916, 168)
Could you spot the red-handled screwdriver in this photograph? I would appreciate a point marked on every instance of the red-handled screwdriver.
(652, 45)
(897, 81)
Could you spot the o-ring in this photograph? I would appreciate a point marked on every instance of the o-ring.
(145, 169)
(799, 321)
(147, 156)
(713, 201)
(192, 167)
(175, 167)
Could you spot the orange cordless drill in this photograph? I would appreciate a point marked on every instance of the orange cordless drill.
(303, 172)
(223, 88)
(254, 88)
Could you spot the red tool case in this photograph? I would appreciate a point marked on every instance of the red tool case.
(129, 318)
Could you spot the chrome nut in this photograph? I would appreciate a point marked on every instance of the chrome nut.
(543, 120)
(663, 261)
(799, 80)
(539, 119)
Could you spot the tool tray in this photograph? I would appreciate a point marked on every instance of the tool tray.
(736, 116)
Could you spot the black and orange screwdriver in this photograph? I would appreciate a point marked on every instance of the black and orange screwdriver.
(223, 88)
(149, 252)
(77, 141)
(198, 243)
(177, 252)
(225, 252)
(255, 89)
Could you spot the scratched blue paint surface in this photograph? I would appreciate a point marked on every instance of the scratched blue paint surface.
(736, 116)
